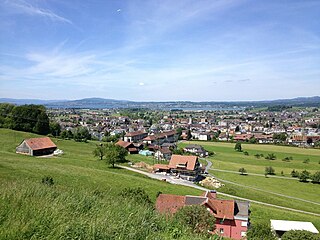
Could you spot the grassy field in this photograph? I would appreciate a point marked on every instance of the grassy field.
(84, 202)
(261, 188)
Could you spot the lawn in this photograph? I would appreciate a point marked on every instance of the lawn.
(84, 201)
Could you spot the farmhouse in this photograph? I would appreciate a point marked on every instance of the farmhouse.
(187, 167)
(232, 216)
(128, 146)
(36, 146)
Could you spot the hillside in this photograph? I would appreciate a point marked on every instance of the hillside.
(84, 202)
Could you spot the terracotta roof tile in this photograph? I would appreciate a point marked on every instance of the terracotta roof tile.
(40, 143)
(189, 161)
(168, 203)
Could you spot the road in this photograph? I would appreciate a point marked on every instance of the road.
(190, 184)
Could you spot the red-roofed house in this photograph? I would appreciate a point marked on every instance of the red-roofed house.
(187, 167)
(232, 216)
(135, 136)
(128, 146)
(36, 146)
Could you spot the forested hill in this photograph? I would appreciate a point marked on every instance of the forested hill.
(99, 103)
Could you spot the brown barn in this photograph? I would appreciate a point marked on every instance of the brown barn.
(36, 146)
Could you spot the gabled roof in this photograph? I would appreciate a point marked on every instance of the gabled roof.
(222, 208)
(40, 143)
(137, 133)
(189, 161)
(283, 225)
(168, 203)
(123, 144)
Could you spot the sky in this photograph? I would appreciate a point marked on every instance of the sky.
(160, 50)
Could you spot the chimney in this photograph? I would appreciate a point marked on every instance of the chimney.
(212, 194)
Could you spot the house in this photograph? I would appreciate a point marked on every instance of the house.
(128, 146)
(135, 136)
(36, 146)
(279, 227)
(163, 153)
(205, 136)
(160, 138)
(196, 149)
(232, 216)
(186, 167)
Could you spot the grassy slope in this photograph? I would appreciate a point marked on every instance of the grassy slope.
(82, 180)
(227, 158)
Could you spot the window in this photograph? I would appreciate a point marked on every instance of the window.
(221, 221)
(243, 234)
(221, 230)
(244, 224)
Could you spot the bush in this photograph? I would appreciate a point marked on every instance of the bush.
(299, 234)
(271, 156)
(294, 173)
(304, 176)
(246, 153)
(197, 218)
(137, 194)
(260, 231)
(316, 177)
(47, 181)
(242, 171)
(306, 161)
(269, 171)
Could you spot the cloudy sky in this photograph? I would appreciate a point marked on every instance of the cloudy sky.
(160, 50)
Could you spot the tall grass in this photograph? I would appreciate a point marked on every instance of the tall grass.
(31, 210)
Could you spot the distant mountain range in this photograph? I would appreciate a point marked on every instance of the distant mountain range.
(102, 103)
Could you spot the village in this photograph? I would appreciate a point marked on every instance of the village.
(185, 166)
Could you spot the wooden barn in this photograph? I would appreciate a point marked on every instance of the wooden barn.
(36, 146)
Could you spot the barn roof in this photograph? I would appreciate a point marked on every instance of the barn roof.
(40, 143)
(188, 161)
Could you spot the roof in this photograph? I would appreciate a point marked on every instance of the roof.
(159, 135)
(192, 200)
(188, 161)
(283, 225)
(40, 143)
(137, 133)
(161, 166)
(222, 208)
(165, 151)
(195, 146)
(241, 209)
(123, 144)
(168, 203)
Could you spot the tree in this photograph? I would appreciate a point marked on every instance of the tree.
(260, 231)
(269, 171)
(238, 147)
(189, 136)
(299, 234)
(81, 134)
(99, 151)
(253, 140)
(294, 173)
(271, 156)
(304, 176)
(316, 177)
(42, 124)
(115, 154)
(55, 128)
(197, 217)
(242, 171)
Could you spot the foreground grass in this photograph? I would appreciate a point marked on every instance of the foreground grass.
(84, 202)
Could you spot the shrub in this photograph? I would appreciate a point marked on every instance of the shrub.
(299, 234)
(306, 161)
(47, 181)
(294, 173)
(316, 177)
(246, 153)
(271, 156)
(242, 171)
(197, 218)
(304, 176)
(269, 171)
(260, 231)
(137, 194)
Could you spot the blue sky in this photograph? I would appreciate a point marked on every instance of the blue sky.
(160, 50)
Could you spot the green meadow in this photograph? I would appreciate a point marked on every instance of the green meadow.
(279, 191)
(85, 201)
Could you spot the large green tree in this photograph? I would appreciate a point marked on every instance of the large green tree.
(114, 154)
(99, 151)
(81, 134)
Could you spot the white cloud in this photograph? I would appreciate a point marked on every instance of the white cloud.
(27, 8)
